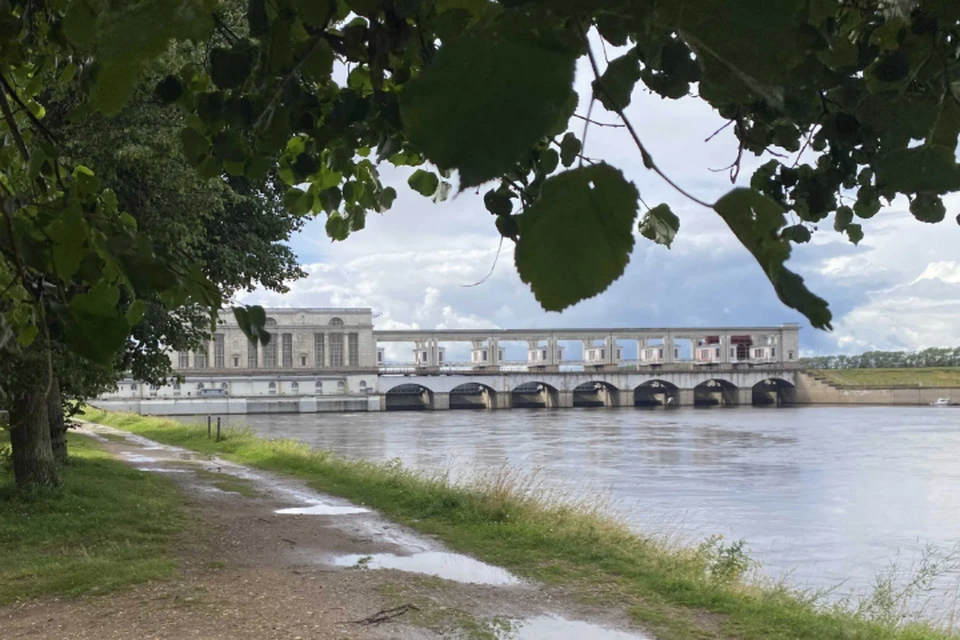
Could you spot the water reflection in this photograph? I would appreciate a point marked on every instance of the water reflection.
(826, 493)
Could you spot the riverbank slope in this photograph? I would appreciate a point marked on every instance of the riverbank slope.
(677, 594)
(877, 386)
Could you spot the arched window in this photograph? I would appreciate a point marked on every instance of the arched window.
(272, 388)
(224, 386)
(295, 387)
(341, 387)
(133, 386)
(318, 387)
(199, 386)
(363, 386)
(336, 322)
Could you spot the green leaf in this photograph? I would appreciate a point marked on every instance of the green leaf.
(135, 312)
(229, 69)
(497, 203)
(797, 234)
(297, 201)
(319, 64)
(195, 146)
(27, 335)
(424, 182)
(387, 197)
(750, 42)
(855, 233)
(87, 183)
(614, 88)
(660, 224)
(756, 220)
(80, 21)
(337, 227)
(549, 159)
(331, 198)
(575, 240)
(932, 168)
(569, 149)
(489, 96)
(928, 207)
(843, 219)
(95, 328)
(68, 232)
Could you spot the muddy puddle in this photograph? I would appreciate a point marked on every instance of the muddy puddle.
(449, 566)
(322, 510)
(551, 627)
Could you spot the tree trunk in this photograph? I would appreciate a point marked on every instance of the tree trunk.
(33, 461)
(58, 427)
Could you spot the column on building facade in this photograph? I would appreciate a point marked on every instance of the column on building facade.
(611, 358)
(553, 351)
(494, 346)
(668, 348)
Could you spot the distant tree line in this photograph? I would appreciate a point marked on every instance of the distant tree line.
(932, 357)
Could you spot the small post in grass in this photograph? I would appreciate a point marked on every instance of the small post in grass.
(218, 428)
(208, 426)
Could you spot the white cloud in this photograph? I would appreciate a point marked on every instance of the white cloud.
(413, 263)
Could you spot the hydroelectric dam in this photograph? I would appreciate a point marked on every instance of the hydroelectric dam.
(326, 360)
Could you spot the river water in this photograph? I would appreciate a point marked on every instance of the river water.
(829, 495)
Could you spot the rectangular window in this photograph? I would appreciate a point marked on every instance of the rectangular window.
(543, 354)
(484, 355)
(336, 350)
(200, 360)
(184, 360)
(733, 352)
(661, 354)
(251, 355)
(236, 361)
(288, 351)
(440, 356)
(270, 353)
(603, 354)
(773, 352)
(353, 349)
(318, 357)
(717, 352)
(303, 361)
(218, 351)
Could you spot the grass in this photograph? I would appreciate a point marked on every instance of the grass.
(108, 527)
(945, 377)
(678, 594)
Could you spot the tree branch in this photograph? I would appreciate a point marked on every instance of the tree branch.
(612, 125)
(34, 119)
(12, 124)
(647, 158)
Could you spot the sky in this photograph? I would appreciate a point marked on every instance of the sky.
(414, 265)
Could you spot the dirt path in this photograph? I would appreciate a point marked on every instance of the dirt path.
(249, 572)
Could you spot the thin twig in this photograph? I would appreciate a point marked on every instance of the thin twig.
(12, 124)
(34, 119)
(385, 615)
(647, 158)
(582, 157)
(612, 125)
(487, 277)
(283, 84)
(714, 134)
(586, 127)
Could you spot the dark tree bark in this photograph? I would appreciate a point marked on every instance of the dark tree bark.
(33, 461)
(58, 427)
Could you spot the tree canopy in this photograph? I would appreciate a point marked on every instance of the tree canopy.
(855, 102)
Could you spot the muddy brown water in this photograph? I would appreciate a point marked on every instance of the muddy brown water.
(825, 495)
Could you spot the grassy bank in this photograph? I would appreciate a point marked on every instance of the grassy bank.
(678, 594)
(947, 377)
(107, 527)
